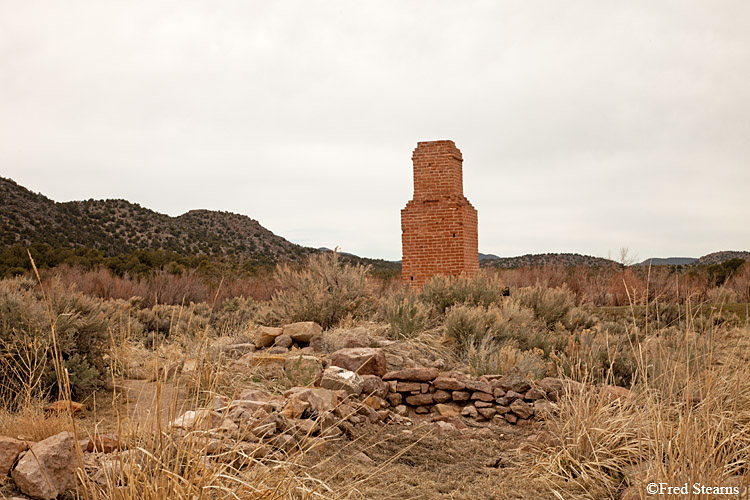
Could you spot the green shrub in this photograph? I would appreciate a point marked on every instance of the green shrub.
(465, 324)
(514, 322)
(27, 344)
(580, 319)
(550, 305)
(236, 315)
(487, 357)
(444, 292)
(323, 290)
(406, 314)
(506, 322)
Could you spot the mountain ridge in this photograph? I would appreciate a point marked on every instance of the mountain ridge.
(116, 226)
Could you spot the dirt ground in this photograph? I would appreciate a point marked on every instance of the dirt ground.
(426, 462)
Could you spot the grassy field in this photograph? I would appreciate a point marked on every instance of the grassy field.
(682, 413)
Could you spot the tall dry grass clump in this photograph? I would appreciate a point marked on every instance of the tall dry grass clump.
(686, 420)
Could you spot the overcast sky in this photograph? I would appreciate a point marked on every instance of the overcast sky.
(585, 126)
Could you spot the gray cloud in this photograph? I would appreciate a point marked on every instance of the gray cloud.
(585, 126)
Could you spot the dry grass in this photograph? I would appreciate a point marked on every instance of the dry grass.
(686, 420)
(32, 423)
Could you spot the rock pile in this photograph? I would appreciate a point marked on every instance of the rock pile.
(509, 398)
(280, 340)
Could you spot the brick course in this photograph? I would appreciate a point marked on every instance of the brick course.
(439, 225)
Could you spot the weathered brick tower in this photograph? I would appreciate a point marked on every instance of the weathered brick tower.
(439, 225)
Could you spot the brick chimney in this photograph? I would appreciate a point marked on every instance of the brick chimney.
(439, 225)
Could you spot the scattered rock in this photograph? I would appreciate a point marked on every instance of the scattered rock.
(419, 399)
(301, 370)
(266, 335)
(469, 411)
(362, 360)
(266, 365)
(302, 332)
(515, 381)
(362, 458)
(9, 450)
(337, 378)
(441, 396)
(103, 443)
(478, 386)
(63, 405)
(523, 410)
(295, 408)
(447, 410)
(321, 400)
(413, 374)
(47, 470)
(535, 393)
(487, 413)
(233, 349)
(409, 387)
(198, 419)
(613, 393)
(482, 396)
(460, 396)
(284, 341)
(375, 386)
(448, 383)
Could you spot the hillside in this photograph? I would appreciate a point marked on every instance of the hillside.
(117, 226)
(719, 257)
(547, 259)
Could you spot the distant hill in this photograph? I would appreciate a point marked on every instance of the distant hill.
(487, 256)
(719, 257)
(668, 261)
(547, 259)
(117, 226)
